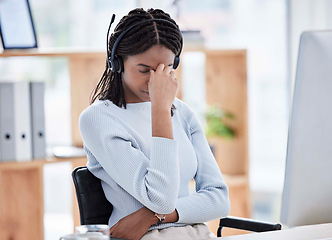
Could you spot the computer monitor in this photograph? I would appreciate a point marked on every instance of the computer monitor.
(307, 194)
(17, 30)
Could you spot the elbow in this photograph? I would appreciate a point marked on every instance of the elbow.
(222, 210)
(162, 203)
(161, 196)
(157, 199)
(225, 206)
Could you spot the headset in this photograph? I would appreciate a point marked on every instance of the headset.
(115, 63)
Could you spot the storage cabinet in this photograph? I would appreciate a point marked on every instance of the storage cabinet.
(22, 198)
(21, 194)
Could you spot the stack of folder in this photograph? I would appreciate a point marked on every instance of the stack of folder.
(22, 121)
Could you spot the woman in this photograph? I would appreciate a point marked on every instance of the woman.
(145, 144)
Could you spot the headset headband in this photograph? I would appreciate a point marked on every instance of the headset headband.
(113, 56)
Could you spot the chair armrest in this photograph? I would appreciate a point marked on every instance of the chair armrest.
(247, 224)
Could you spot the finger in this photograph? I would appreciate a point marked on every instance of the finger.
(160, 67)
(172, 74)
(113, 229)
(168, 69)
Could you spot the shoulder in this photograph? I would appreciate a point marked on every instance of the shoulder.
(94, 109)
(98, 112)
(101, 120)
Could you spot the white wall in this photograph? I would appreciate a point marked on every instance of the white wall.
(306, 15)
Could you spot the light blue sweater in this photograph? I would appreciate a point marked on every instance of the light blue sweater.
(139, 170)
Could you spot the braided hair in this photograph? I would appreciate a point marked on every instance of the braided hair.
(139, 39)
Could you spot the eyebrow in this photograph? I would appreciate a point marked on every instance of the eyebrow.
(143, 65)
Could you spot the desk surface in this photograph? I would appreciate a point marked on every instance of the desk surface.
(319, 231)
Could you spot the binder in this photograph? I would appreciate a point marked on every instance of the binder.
(23, 150)
(15, 122)
(7, 126)
(37, 120)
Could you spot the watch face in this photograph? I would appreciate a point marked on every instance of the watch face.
(161, 217)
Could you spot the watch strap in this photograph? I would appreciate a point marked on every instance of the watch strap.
(161, 217)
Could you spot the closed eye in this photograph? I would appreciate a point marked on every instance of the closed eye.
(144, 71)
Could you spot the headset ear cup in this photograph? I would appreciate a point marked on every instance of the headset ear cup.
(176, 62)
(116, 64)
(112, 65)
(120, 65)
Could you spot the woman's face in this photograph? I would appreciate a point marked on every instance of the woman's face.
(136, 74)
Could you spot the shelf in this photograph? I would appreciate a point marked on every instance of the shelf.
(236, 180)
(37, 162)
(68, 52)
(54, 52)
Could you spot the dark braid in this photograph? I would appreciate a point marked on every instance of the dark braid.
(137, 40)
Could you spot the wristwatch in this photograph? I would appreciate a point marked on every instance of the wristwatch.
(161, 217)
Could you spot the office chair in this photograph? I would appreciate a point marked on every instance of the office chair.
(94, 208)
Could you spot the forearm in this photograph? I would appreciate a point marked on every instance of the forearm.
(161, 122)
(204, 206)
(135, 225)
(162, 90)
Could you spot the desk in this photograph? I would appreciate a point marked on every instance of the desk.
(319, 231)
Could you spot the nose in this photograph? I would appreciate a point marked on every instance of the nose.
(147, 82)
(148, 77)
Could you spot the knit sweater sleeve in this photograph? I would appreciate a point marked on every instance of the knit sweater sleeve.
(153, 181)
(210, 201)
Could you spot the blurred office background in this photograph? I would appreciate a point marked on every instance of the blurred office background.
(268, 29)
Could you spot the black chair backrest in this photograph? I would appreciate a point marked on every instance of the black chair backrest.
(93, 206)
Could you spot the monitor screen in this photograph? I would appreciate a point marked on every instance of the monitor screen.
(16, 25)
(307, 194)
